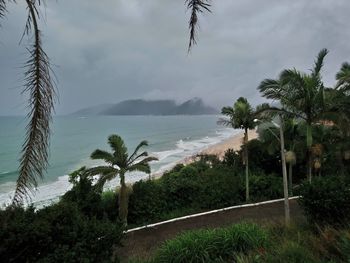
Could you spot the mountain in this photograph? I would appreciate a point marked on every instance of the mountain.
(194, 106)
(95, 110)
(141, 107)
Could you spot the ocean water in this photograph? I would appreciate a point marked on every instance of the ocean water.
(171, 139)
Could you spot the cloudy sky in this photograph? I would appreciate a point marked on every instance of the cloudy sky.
(110, 50)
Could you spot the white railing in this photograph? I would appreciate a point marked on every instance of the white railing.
(208, 213)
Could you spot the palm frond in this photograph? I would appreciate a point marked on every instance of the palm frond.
(225, 122)
(144, 168)
(228, 111)
(143, 165)
(41, 89)
(143, 154)
(319, 62)
(138, 147)
(343, 77)
(262, 112)
(196, 7)
(119, 149)
(99, 170)
(102, 155)
(103, 179)
(270, 89)
(3, 8)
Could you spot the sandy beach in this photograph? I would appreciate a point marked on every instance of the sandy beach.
(219, 149)
(233, 142)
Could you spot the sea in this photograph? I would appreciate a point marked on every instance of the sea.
(73, 139)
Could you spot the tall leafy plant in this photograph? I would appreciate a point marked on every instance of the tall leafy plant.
(241, 116)
(302, 96)
(119, 163)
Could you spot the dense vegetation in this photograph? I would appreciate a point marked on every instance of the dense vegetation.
(202, 185)
(58, 233)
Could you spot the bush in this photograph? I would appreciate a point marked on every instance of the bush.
(83, 193)
(220, 188)
(218, 245)
(109, 205)
(290, 252)
(265, 187)
(147, 202)
(232, 158)
(192, 188)
(180, 188)
(326, 200)
(261, 160)
(59, 233)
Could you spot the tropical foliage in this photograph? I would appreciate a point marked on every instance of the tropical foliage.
(58, 233)
(250, 243)
(241, 116)
(304, 97)
(118, 164)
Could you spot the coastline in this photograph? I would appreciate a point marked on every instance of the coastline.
(233, 142)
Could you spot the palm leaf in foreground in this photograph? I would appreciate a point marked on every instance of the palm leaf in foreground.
(196, 7)
(40, 86)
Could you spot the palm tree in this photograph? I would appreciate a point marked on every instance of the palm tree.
(343, 77)
(302, 96)
(241, 116)
(118, 164)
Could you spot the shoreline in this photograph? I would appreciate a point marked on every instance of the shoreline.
(233, 142)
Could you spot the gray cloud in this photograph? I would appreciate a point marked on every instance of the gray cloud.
(107, 51)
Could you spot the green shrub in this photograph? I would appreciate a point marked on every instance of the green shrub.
(261, 160)
(232, 158)
(265, 187)
(326, 200)
(220, 188)
(83, 193)
(109, 204)
(344, 245)
(147, 202)
(181, 188)
(218, 245)
(59, 233)
(290, 252)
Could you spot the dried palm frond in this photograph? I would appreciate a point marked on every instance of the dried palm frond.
(2, 8)
(41, 89)
(196, 7)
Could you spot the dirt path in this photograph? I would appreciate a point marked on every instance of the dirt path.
(142, 243)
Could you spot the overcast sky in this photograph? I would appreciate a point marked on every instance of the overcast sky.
(110, 50)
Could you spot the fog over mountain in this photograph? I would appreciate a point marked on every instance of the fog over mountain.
(113, 50)
(193, 106)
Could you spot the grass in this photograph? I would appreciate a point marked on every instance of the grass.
(251, 243)
(215, 245)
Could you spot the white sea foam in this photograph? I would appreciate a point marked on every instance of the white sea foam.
(48, 193)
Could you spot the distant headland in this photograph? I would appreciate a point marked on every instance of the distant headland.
(194, 106)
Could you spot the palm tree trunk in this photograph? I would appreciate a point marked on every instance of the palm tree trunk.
(246, 165)
(309, 151)
(123, 201)
(309, 165)
(284, 172)
(290, 179)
